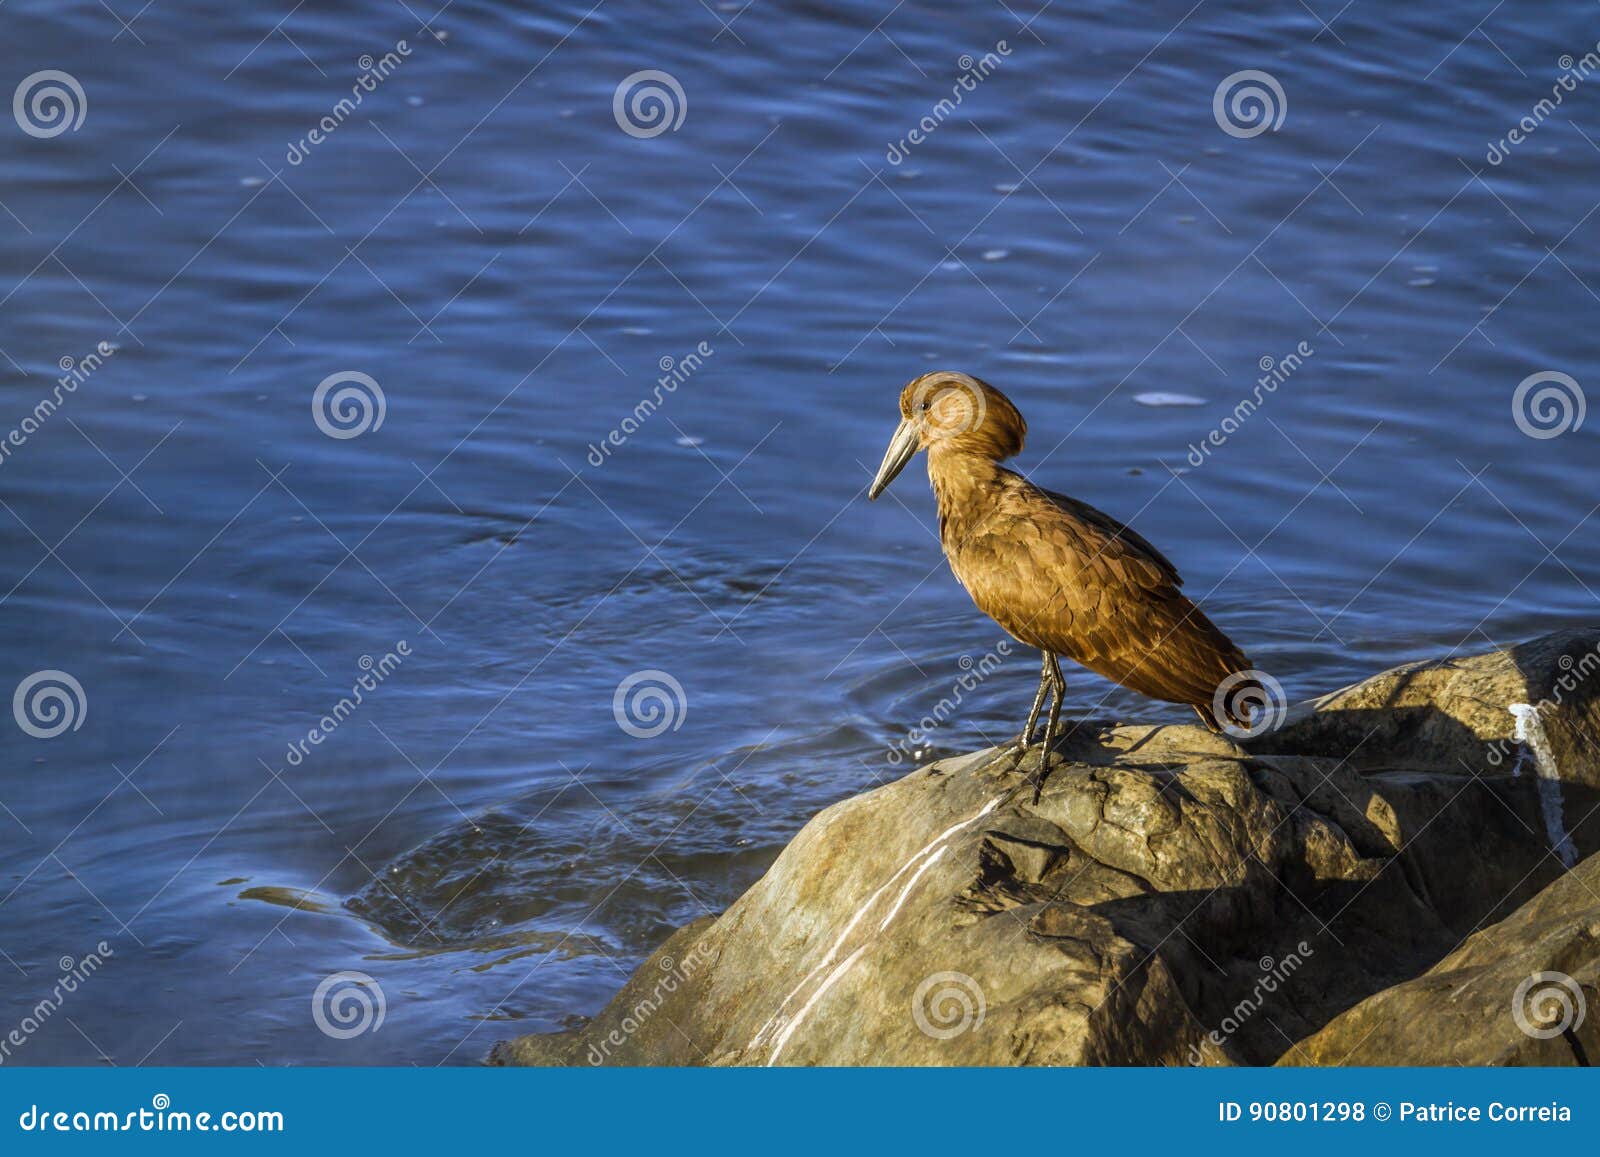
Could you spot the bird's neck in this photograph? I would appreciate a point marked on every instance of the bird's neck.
(965, 486)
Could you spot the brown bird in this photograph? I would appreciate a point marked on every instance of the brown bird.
(1056, 573)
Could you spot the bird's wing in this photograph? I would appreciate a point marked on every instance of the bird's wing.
(1115, 533)
(1061, 575)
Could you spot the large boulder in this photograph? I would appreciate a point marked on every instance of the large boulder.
(1174, 897)
(1525, 991)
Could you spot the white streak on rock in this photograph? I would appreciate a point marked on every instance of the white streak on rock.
(917, 865)
(911, 883)
(1530, 733)
(788, 1030)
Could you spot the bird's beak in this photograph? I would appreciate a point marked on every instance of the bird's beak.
(902, 448)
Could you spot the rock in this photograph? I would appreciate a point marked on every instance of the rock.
(1525, 991)
(1175, 897)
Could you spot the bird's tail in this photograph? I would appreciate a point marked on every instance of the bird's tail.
(1242, 705)
(1244, 702)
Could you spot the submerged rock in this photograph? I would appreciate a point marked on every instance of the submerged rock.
(1174, 897)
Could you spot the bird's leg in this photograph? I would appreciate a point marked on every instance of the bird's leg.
(1038, 703)
(1019, 750)
(1058, 683)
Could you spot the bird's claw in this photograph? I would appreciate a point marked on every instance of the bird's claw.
(1016, 756)
(1041, 772)
(1016, 752)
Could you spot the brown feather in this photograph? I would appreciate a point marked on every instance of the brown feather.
(1060, 575)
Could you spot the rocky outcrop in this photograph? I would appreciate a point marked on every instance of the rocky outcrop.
(1174, 897)
(1525, 991)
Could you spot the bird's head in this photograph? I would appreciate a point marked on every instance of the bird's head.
(950, 412)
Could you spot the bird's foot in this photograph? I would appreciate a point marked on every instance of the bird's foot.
(1014, 753)
(1013, 756)
(1033, 763)
(1041, 772)
(1021, 752)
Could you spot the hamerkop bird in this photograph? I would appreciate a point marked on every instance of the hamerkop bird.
(1056, 573)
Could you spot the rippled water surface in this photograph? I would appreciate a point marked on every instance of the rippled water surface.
(513, 270)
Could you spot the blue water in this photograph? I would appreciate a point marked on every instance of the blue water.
(483, 240)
